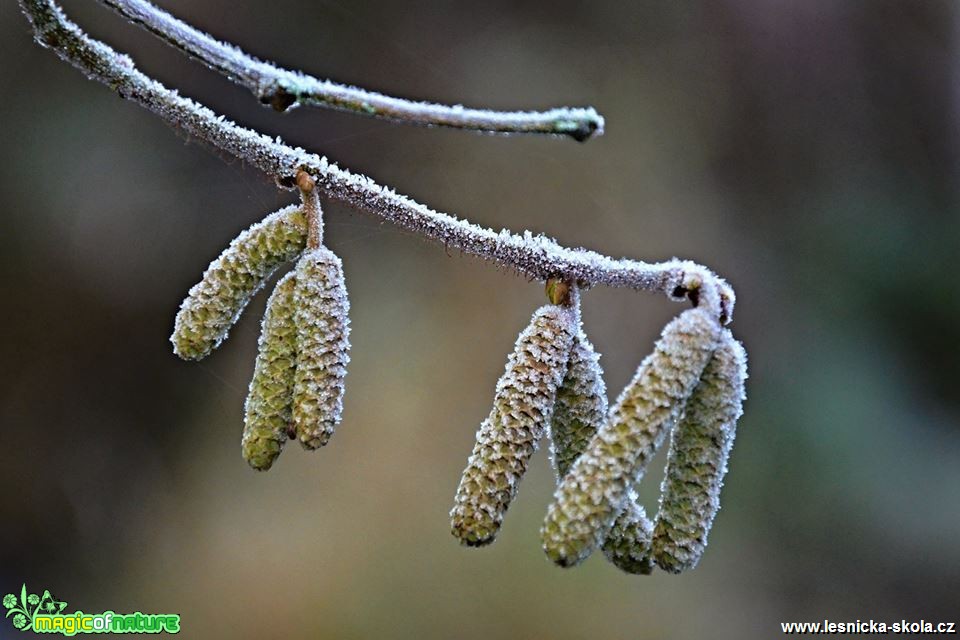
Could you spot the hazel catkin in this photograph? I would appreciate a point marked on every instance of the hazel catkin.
(268, 407)
(523, 405)
(323, 342)
(213, 305)
(595, 490)
(580, 411)
(581, 405)
(697, 460)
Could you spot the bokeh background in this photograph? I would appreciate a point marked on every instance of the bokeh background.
(806, 150)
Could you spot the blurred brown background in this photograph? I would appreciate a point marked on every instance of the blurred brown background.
(808, 151)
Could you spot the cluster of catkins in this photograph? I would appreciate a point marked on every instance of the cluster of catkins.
(298, 380)
(691, 386)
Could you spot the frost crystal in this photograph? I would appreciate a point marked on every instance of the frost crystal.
(323, 334)
(522, 408)
(596, 488)
(271, 389)
(699, 449)
(213, 305)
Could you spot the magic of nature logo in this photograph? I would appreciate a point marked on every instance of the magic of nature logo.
(45, 614)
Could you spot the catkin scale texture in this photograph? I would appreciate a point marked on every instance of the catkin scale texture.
(323, 342)
(596, 489)
(523, 406)
(268, 408)
(213, 305)
(628, 545)
(697, 460)
(581, 405)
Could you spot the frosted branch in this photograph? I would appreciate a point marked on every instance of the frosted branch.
(535, 256)
(283, 89)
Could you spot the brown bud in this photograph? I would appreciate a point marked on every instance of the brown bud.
(558, 291)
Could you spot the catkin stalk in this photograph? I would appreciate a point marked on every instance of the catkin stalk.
(699, 450)
(523, 405)
(268, 408)
(213, 305)
(595, 490)
(323, 334)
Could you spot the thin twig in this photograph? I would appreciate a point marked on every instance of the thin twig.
(283, 89)
(536, 256)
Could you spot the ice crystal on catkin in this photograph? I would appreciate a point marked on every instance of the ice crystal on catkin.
(323, 335)
(522, 407)
(628, 544)
(697, 462)
(213, 305)
(268, 408)
(595, 490)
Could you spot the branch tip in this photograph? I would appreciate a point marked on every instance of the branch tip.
(283, 89)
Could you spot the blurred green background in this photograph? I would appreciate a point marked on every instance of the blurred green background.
(809, 151)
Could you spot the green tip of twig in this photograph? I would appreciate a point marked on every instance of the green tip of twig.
(581, 129)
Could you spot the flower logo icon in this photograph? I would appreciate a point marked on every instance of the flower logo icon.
(27, 606)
